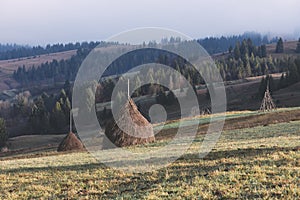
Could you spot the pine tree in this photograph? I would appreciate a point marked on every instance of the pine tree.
(263, 51)
(279, 46)
(236, 51)
(230, 49)
(67, 88)
(298, 46)
(39, 118)
(244, 50)
(248, 69)
(57, 118)
(3, 133)
(138, 86)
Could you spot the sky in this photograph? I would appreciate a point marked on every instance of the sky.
(40, 22)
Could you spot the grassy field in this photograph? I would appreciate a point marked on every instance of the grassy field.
(258, 162)
(205, 119)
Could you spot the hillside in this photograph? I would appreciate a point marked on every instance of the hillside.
(288, 96)
(257, 155)
(289, 48)
(7, 67)
(234, 120)
(241, 93)
(246, 163)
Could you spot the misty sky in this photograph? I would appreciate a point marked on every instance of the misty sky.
(52, 21)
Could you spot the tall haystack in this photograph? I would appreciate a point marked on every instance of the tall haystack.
(130, 127)
(70, 143)
(267, 102)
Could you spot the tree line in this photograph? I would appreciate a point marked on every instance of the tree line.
(10, 47)
(40, 115)
(245, 59)
(16, 51)
(289, 77)
(215, 45)
(55, 70)
(50, 113)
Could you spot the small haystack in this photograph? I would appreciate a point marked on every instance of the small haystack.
(70, 143)
(139, 130)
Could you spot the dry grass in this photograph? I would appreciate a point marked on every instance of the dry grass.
(234, 120)
(258, 162)
(289, 48)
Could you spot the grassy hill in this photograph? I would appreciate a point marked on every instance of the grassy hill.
(257, 162)
(289, 48)
(7, 67)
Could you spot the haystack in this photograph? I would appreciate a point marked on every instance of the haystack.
(140, 131)
(267, 102)
(70, 143)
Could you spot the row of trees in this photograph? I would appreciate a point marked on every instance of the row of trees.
(247, 48)
(215, 45)
(44, 114)
(41, 115)
(67, 69)
(16, 51)
(211, 44)
(246, 60)
(291, 76)
(56, 70)
(50, 113)
(9, 47)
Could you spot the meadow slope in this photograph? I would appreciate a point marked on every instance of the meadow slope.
(256, 162)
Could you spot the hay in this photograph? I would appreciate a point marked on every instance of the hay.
(140, 131)
(70, 143)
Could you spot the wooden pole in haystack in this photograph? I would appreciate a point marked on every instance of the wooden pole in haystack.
(267, 102)
(70, 121)
(128, 95)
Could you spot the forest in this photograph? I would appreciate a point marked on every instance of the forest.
(51, 112)
(244, 59)
(17, 51)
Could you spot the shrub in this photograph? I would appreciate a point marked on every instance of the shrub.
(3, 133)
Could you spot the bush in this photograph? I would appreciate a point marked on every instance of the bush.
(3, 133)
